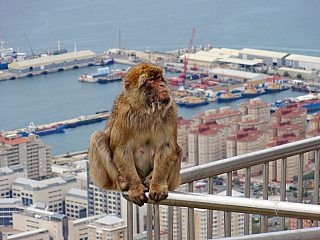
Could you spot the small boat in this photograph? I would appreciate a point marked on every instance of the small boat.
(104, 61)
(228, 96)
(252, 91)
(275, 87)
(42, 131)
(303, 88)
(190, 102)
(93, 77)
(112, 77)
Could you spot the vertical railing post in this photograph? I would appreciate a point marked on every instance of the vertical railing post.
(283, 188)
(247, 195)
(130, 220)
(264, 218)
(227, 215)
(190, 216)
(209, 212)
(156, 222)
(170, 222)
(149, 221)
(316, 182)
(300, 186)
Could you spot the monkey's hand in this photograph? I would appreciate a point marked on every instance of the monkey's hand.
(136, 194)
(158, 192)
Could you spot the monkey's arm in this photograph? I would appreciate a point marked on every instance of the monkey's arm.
(128, 178)
(167, 166)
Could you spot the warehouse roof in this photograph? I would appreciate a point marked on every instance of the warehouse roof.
(241, 61)
(203, 58)
(212, 54)
(294, 70)
(226, 51)
(55, 58)
(229, 72)
(263, 53)
(303, 58)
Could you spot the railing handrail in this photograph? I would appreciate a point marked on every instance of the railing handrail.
(240, 205)
(248, 160)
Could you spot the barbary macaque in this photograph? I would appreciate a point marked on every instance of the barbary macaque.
(138, 150)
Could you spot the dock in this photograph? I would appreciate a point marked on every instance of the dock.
(71, 123)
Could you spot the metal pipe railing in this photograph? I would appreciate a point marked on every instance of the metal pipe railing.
(240, 205)
(246, 161)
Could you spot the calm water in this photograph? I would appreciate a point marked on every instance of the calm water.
(286, 26)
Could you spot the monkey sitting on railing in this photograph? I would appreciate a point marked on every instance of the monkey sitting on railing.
(138, 150)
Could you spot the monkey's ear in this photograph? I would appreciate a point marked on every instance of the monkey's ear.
(126, 85)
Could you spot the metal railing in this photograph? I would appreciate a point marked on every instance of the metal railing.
(245, 205)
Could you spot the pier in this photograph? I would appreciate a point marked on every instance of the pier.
(71, 123)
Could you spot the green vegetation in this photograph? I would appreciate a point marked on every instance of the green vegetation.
(286, 74)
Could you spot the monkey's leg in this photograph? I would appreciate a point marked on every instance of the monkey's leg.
(102, 170)
(174, 176)
(165, 161)
(147, 180)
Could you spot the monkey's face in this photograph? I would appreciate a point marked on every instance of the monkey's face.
(157, 87)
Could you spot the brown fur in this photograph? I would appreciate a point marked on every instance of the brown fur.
(138, 150)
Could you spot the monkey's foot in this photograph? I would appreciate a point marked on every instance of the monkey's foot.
(158, 192)
(146, 181)
(137, 196)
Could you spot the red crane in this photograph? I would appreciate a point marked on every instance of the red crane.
(184, 75)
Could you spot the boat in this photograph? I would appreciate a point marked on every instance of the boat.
(42, 131)
(93, 77)
(228, 96)
(8, 55)
(303, 88)
(112, 77)
(104, 61)
(190, 102)
(275, 87)
(252, 91)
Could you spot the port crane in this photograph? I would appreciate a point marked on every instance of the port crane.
(184, 75)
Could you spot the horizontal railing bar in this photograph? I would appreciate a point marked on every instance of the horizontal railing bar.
(249, 159)
(241, 205)
(301, 234)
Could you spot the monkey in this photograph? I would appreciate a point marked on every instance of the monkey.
(138, 150)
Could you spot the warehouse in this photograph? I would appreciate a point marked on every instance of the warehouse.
(54, 61)
(200, 58)
(223, 52)
(269, 57)
(293, 72)
(234, 75)
(303, 62)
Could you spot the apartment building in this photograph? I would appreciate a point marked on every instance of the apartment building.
(279, 129)
(7, 176)
(200, 221)
(246, 141)
(59, 226)
(76, 203)
(247, 121)
(183, 128)
(30, 152)
(108, 227)
(9, 206)
(223, 115)
(52, 191)
(292, 114)
(292, 162)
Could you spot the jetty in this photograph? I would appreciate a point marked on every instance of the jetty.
(71, 123)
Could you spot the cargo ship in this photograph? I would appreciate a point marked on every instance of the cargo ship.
(275, 87)
(42, 131)
(191, 102)
(252, 91)
(93, 77)
(228, 96)
(8, 55)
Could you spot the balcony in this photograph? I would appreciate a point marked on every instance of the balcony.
(247, 205)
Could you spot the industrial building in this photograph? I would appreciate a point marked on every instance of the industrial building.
(54, 61)
(293, 72)
(303, 62)
(238, 76)
(269, 57)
